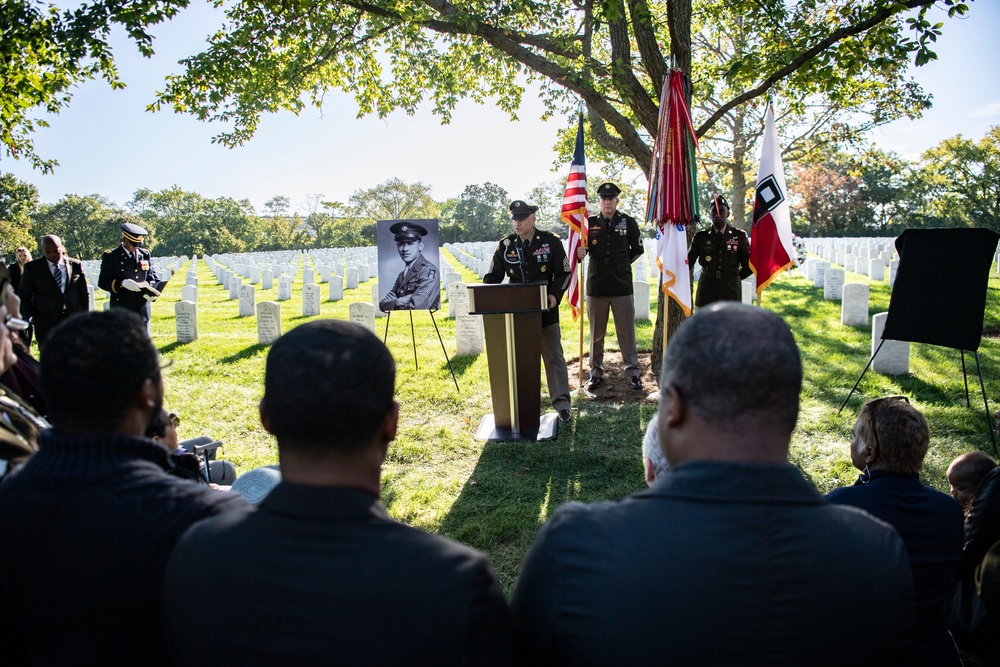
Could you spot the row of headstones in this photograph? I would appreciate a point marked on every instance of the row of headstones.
(894, 356)
(165, 267)
(872, 257)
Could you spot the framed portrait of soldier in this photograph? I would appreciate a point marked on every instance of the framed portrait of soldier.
(408, 261)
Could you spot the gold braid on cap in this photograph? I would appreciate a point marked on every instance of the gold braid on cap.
(131, 238)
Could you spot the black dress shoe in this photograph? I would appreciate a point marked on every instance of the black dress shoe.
(635, 382)
(594, 383)
(564, 416)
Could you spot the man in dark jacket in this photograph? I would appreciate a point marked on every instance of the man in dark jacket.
(724, 254)
(613, 244)
(731, 558)
(319, 573)
(53, 287)
(127, 273)
(87, 523)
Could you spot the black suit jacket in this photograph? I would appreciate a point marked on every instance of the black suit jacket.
(322, 575)
(41, 298)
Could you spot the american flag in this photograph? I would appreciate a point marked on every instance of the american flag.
(574, 214)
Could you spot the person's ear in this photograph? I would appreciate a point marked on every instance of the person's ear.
(650, 473)
(673, 411)
(265, 419)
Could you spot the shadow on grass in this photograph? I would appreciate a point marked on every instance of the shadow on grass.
(245, 353)
(170, 347)
(516, 486)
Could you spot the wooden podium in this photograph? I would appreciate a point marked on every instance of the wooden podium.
(512, 319)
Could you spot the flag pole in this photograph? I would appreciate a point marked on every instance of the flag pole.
(583, 300)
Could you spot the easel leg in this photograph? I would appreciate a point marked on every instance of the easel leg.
(867, 366)
(966, 378)
(986, 404)
(452, 370)
(413, 337)
(385, 336)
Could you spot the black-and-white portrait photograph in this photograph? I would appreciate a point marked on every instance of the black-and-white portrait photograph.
(408, 260)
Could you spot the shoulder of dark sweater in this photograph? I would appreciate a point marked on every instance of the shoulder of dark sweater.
(122, 464)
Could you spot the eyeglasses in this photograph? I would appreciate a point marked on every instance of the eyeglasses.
(873, 410)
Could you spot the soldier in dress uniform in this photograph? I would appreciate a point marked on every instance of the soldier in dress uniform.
(531, 255)
(124, 269)
(724, 254)
(613, 244)
(417, 286)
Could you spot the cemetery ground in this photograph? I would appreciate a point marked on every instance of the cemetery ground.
(495, 496)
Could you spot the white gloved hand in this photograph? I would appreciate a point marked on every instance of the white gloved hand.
(130, 285)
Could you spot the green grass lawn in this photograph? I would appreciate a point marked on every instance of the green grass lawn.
(495, 496)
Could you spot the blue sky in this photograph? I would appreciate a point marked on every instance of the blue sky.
(108, 144)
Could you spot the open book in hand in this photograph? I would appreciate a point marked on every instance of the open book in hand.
(148, 290)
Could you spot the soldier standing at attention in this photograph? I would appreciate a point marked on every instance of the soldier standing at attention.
(613, 244)
(530, 255)
(124, 269)
(724, 254)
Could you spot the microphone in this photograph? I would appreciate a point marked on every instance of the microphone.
(519, 246)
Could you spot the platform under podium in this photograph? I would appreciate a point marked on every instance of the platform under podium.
(512, 319)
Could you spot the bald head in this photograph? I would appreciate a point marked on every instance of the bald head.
(52, 247)
(731, 379)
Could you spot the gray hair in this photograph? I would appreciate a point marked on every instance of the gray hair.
(651, 447)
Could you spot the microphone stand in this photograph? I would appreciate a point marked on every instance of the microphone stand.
(519, 246)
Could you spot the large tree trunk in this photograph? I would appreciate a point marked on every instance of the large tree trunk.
(679, 19)
(739, 196)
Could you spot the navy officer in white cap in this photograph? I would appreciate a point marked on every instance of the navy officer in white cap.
(417, 286)
(531, 255)
(127, 273)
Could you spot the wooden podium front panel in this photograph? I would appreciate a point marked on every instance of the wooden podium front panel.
(513, 343)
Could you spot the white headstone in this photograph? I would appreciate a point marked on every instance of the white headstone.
(189, 293)
(894, 356)
(378, 311)
(246, 300)
(352, 278)
(363, 314)
(876, 270)
(640, 289)
(854, 307)
(851, 263)
(459, 298)
(234, 287)
(90, 297)
(892, 272)
(307, 275)
(268, 322)
(748, 292)
(336, 288)
(254, 275)
(310, 300)
(833, 284)
(192, 279)
(468, 332)
(186, 321)
(266, 279)
(821, 269)
(284, 288)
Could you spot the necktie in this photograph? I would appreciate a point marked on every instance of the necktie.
(58, 276)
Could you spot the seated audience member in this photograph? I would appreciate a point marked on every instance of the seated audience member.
(653, 460)
(20, 424)
(966, 474)
(890, 441)
(975, 482)
(318, 573)
(163, 429)
(732, 558)
(89, 520)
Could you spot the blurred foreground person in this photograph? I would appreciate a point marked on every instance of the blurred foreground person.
(890, 440)
(731, 558)
(318, 573)
(88, 522)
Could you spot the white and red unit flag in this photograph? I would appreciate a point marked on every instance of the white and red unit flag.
(574, 214)
(771, 248)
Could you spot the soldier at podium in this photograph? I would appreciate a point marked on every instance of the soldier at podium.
(531, 255)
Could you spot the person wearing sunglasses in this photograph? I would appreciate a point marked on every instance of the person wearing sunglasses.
(888, 445)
